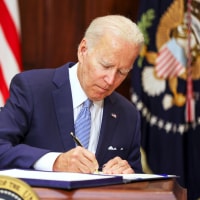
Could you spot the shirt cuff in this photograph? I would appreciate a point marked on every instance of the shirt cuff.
(45, 163)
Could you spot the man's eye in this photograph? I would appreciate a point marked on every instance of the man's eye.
(123, 72)
(106, 66)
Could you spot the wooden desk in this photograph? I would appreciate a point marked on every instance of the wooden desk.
(152, 190)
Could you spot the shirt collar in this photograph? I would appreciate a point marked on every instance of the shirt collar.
(78, 95)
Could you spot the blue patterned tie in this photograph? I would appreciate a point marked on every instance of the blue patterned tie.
(83, 124)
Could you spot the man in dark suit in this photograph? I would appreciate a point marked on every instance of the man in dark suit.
(37, 119)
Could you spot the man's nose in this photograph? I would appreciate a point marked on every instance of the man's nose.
(110, 77)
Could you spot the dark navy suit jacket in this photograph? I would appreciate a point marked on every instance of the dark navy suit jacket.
(38, 118)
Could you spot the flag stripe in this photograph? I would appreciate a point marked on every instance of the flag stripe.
(166, 64)
(3, 86)
(13, 9)
(10, 32)
(1, 99)
(7, 60)
(190, 111)
(10, 54)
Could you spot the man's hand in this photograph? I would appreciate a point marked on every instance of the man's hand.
(117, 166)
(78, 159)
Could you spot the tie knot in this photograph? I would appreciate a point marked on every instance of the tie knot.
(87, 103)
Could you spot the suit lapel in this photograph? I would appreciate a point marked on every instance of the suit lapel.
(64, 106)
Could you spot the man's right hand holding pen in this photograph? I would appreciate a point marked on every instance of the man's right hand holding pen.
(77, 159)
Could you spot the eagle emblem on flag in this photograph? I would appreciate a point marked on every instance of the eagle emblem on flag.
(170, 60)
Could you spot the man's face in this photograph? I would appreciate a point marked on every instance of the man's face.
(103, 68)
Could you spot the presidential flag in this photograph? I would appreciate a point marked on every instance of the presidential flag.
(10, 56)
(166, 89)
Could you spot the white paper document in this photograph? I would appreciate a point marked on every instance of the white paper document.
(56, 176)
(68, 176)
(138, 177)
(68, 180)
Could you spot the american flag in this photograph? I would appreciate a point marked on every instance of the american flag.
(170, 61)
(10, 56)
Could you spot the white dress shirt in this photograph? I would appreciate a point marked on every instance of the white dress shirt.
(46, 162)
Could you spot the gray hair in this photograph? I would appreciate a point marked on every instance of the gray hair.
(118, 25)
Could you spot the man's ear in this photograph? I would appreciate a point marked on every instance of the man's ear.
(82, 48)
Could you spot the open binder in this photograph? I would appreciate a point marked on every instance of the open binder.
(62, 180)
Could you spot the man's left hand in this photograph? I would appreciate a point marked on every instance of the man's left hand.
(117, 166)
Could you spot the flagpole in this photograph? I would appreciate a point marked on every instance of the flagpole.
(190, 104)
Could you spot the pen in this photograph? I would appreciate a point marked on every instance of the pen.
(76, 140)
